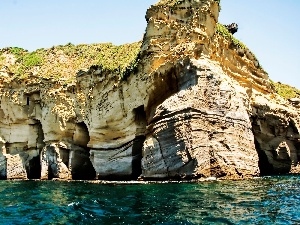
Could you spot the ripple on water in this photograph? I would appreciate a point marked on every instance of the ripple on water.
(272, 200)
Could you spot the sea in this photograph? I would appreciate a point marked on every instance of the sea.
(265, 200)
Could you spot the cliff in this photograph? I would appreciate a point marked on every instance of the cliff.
(190, 101)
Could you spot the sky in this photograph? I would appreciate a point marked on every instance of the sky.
(270, 28)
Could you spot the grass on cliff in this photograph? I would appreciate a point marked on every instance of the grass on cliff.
(236, 44)
(286, 91)
(64, 61)
(223, 31)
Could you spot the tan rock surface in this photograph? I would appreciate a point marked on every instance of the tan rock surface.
(197, 106)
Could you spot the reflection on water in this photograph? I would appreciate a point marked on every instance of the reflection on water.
(272, 200)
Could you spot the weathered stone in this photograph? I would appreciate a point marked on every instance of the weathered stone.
(194, 106)
(120, 163)
(112, 164)
(277, 139)
(203, 130)
(15, 167)
(54, 161)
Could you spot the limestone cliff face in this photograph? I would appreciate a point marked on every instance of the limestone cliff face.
(197, 106)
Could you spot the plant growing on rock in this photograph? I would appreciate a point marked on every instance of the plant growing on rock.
(32, 59)
(223, 31)
(286, 91)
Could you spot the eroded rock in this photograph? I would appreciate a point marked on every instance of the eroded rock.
(193, 106)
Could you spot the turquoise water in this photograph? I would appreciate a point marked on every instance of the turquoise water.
(273, 200)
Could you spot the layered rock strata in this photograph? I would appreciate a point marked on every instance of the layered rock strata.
(197, 106)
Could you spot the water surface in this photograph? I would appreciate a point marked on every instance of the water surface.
(271, 200)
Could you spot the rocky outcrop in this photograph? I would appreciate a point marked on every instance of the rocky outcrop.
(195, 105)
(202, 130)
(277, 139)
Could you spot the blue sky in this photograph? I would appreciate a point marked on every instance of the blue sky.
(270, 28)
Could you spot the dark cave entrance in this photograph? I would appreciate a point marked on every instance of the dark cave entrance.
(265, 167)
(82, 167)
(33, 168)
(27, 100)
(137, 148)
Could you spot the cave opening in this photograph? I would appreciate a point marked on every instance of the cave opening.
(82, 167)
(137, 148)
(34, 168)
(27, 100)
(265, 167)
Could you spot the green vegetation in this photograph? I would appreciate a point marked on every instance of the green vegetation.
(285, 90)
(175, 2)
(132, 67)
(235, 43)
(64, 61)
(23, 60)
(18, 52)
(31, 59)
(222, 30)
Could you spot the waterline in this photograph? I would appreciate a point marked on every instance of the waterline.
(270, 200)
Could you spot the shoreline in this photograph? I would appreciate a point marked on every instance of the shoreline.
(133, 182)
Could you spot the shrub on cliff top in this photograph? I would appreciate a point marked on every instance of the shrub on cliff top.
(238, 45)
(223, 31)
(31, 59)
(285, 90)
(18, 52)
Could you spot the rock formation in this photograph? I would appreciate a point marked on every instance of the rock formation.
(232, 28)
(195, 103)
